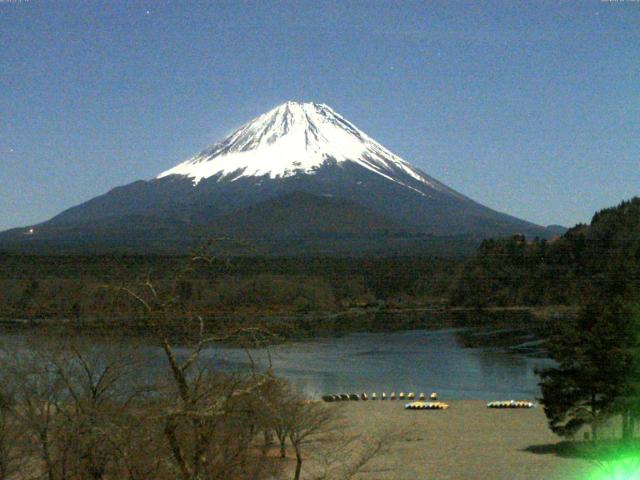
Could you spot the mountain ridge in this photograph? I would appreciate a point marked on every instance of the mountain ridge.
(295, 147)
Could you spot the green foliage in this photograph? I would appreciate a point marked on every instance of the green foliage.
(598, 355)
(596, 372)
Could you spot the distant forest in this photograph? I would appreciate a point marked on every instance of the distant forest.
(503, 272)
(35, 286)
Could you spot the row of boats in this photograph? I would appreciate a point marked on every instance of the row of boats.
(511, 404)
(383, 396)
(421, 403)
(426, 406)
(443, 406)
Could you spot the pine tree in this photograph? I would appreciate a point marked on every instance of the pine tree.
(596, 377)
(627, 404)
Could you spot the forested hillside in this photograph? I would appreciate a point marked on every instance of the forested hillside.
(601, 257)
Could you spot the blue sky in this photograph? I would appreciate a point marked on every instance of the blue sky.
(532, 108)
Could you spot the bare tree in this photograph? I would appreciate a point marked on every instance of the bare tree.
(99, 386)
(209, 421)
(309, 423)
(37, 393)
(71, 398)
(278, 401)
(320, 434)
(347, 455)
(11, 436)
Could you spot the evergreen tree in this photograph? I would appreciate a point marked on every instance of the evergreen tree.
(597, 372)
(627, 404)
(602, 258)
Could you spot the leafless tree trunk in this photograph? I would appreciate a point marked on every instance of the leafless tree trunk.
(209, 422)
(309, 422)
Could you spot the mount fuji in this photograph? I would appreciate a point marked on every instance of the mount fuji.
(297, 179)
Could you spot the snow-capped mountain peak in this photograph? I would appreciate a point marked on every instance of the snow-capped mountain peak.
(295, 138)
(299, 179)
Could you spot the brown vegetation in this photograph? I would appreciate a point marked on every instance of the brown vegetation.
(73, 408)
(68, 287)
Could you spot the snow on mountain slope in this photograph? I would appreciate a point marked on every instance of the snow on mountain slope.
(299, 171)
(297, 138)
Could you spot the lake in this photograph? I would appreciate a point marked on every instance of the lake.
(459, 363)
(417, 360)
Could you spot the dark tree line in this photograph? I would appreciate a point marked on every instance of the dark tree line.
(569, 270)
(598, 353)
(72, 286)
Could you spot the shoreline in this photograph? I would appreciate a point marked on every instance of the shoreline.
(518, 330)
(537, 313)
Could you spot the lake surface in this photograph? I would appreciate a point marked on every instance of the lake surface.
(418, 361)
(458, 363)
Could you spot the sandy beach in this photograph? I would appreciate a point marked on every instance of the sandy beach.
(467, 441)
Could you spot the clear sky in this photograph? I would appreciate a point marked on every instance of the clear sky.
(532, 108)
